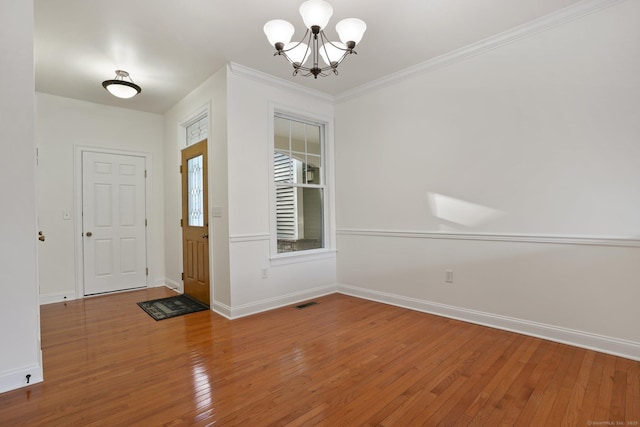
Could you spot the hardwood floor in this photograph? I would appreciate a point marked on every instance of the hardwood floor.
(342, 362)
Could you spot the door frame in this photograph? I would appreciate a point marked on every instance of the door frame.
(197, 114)
(184, 213)
(77, 209)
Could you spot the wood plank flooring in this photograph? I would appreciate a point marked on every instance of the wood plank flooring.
(342, 362)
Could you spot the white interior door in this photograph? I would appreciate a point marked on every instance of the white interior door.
(113, 221)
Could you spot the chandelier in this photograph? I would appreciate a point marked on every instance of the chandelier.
(315, 45)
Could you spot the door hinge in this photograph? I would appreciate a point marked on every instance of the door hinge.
(145, 173)
(182, 276)
(147, 271)
(145, 222)
(180, 168)
(180, 222)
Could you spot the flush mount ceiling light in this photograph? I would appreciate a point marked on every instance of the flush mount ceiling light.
(316, 15)
(120, 87)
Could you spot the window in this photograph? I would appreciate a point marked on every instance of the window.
(298, 173)
(197, 130)
(195, 195)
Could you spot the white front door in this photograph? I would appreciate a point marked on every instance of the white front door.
(113, 222)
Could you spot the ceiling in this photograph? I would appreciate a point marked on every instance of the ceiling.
(169, 47)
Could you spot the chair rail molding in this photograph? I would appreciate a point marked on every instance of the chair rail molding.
(621, 241)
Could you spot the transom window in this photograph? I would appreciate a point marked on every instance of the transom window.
(298, 168)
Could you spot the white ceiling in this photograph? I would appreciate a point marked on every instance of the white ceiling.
(169, 47)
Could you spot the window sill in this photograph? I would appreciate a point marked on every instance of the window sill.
(302, 256)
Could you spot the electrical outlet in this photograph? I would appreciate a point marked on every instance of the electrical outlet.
(448, 277)
(265, 273)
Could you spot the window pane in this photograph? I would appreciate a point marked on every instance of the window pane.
(194, 187)
(281, 127)
(299, 157)
(313, 170)
(313, 140)
(282, 144)
(298, 136)
(285, 169)
(299, 218)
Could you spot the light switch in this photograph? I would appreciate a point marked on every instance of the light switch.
(66, 215)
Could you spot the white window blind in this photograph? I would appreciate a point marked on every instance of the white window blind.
(286, 198)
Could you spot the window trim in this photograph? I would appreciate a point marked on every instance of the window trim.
(197, 115)
(326, 126)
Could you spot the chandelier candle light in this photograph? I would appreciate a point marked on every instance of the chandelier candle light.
(316, 15)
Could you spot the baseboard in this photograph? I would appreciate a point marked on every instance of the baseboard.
(54, 297)
(236, 312)
(609, 345)
(170, 288)
(11, 380)
(172, 285)
(222, 309)
(156, 283)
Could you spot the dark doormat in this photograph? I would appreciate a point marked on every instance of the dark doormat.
(165, 308)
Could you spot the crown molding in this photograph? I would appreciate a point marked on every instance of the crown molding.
(249, 73)
(543, 23)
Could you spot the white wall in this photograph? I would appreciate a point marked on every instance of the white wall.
(239, 101)
(19, 314)
(62, 125)
(251, 99)
(210, 96)
(518, 169)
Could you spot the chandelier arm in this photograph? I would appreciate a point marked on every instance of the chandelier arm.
(297, 44)
(334, 66)
(305, 68)
(338, 47)
(297, 67)
(321, 73)
(342, 58)
(324, 42)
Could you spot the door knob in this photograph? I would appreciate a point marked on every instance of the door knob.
(205, 236)
(89, 234)
(40, 236)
